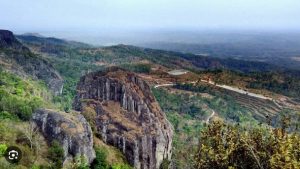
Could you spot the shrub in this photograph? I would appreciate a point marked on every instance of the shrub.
(90, 115)
(165, 164)
(20, 97)
(56, 154)
(81, 163)
(230, 146)
(100, 160)
(121, 166)
(3, 148)
(7, 115)
(138, 68)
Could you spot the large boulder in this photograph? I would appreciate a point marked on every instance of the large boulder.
(71, 130)
(127, 116)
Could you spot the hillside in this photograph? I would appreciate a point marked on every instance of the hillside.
(268, 47)
(48, 42)
(91, 58)
(30, 93)
(17, 58)
(186, 88)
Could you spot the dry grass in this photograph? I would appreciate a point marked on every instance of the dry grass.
(71, 118)
(114, 112)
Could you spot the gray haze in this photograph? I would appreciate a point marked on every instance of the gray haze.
(133, 21)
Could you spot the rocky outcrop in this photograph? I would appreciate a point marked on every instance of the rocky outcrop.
(128, 116)
(18, 59)
(8, 40)
(71, 130)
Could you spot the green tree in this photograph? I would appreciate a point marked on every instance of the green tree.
(231, 146)
(81, 163)
(56, 155)
(100, 160)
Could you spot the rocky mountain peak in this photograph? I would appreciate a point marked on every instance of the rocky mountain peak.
(128, 116)
(8, 40)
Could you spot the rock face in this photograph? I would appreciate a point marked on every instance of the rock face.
(128, 116)
(18, 59)
(8, 40)
(71, 130)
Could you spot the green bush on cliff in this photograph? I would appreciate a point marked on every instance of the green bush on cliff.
(165, 164)
(81, 163)
(19, 97)
(56, 155)
(100, 160)
(121, 166)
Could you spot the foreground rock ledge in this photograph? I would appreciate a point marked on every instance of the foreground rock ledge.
(127, 116)
(71, 130)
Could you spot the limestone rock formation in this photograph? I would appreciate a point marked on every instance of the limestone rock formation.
(17, 58)
(71, 130)
(128, 116)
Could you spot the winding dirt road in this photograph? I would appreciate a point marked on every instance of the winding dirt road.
(164, 85)
(227, 88)
(238, 90)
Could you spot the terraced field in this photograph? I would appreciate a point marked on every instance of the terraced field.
(259, 107)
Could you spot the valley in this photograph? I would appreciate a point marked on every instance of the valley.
(130, 107)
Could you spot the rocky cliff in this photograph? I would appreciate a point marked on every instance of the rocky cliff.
(8, 40)
(71, 130)
(18, 59)
(128, 116)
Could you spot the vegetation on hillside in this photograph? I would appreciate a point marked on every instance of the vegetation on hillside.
(225, 105)
(82, 58)
(19, 98)
(56, 154)
(225, 146)
(281, 82)
(138, 68)
(187, 123)
(188, 111)
(221, 145)
(71, 71)
(101, 162)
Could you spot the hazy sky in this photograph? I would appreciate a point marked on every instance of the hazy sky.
(87, 15)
